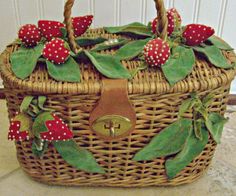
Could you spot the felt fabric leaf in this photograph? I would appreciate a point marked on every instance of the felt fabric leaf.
(208, 99)
(215, 124)
(87, 41)
(192, 148)
(24, 61)
(41, 102)
(110, 44)
(214, 55)
(143, 66)
(136, 29)
(108, 65)
(39, 125)
(39, 147)
(219, 43)
(168, 142)
(132, 49)
(186, 106)
(197, 125)
(179, 65)
(67, 72)
(26, 103)
(64, 33)
(78, 157)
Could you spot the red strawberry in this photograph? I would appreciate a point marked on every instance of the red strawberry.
(55, 51)
(57, 130)
(156, 52)
(50, 29)
(196, 34)
(19, 128)
(174, 21)
(81, 24)
(29, 35)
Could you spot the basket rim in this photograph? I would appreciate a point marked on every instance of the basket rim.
(203, 77)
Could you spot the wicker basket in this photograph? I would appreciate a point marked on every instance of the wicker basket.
(156, 105)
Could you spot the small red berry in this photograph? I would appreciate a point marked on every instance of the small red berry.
(57, 130)
(50, 29)
(81, 24)
(29, 35)
(174, 21)
(156, 52)
(20, 127)
(55, 51)
(196, 34)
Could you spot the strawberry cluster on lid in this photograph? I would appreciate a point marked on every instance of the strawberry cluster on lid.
(196, 34)
(174, 21)
(29, 35)
(55, 51)
(81, 24)
(57, 130)
(50, 29)
(156, 52)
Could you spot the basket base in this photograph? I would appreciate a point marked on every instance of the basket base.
(121, 184)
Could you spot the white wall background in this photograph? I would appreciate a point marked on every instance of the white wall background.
(220, 14)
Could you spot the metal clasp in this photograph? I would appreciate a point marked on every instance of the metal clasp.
(112, 125)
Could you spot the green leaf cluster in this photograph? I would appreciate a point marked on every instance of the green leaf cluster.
(181, 142)
(35, 122)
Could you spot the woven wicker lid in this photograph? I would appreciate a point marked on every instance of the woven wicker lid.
(151, 81)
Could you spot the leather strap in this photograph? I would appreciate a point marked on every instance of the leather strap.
(114, 101)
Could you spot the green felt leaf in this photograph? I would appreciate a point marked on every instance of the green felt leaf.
(132, 49)
(26, 103)
(143, 66)
(214, 55)
(41, 102)
(219, 43)
(197, 125)
(25, 121)
(67, 72)
(135, 28)
(24, 61)
(39, 125)
(179, 65)
(192, 148)
(78, 157)
(39, 147)
(186, 106)
(110, 44)
(208, 99)
(215, 124)
(64, 32)
(87, 41)
(108, 65)
(168, 142)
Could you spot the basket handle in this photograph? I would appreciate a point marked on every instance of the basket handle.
(161, 28)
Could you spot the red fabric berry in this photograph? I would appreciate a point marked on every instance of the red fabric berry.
(50, 29)
(55, 51)
(15, 133)
(29, 35)
(174, 21)
(57, 130)
(156, 52)
(196, 34)
(81, 24)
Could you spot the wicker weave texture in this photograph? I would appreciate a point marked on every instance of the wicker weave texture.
(156, 105)
(154, 113)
